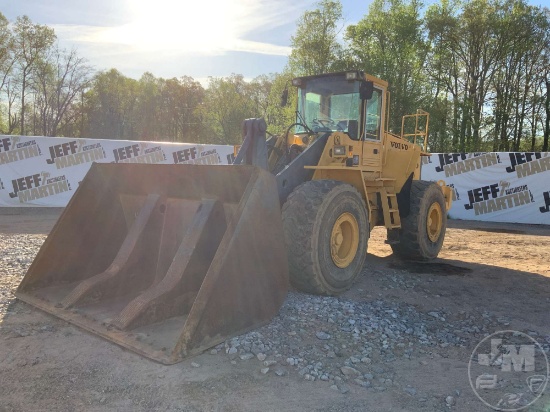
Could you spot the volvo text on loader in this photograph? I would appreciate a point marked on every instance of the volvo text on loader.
(169, 260)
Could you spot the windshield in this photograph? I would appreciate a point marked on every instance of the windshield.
(328, 104)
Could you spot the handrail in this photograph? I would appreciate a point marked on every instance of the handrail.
(418, 131)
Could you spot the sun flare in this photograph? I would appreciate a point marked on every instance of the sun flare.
(189, 28)
(207, 27)
(190, 25)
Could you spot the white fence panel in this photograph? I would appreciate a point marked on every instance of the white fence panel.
(45, 171)
(495, 187)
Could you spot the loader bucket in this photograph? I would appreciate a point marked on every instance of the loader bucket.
(165, 260)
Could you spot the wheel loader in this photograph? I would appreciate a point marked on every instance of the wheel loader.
(169, 260)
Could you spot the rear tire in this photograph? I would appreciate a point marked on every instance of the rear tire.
(423, 230)
(326, 231)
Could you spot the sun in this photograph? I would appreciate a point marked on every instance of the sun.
(193, 26)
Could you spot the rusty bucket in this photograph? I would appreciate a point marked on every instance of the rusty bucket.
(165, 260)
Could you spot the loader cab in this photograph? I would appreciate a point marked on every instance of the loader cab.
(351, 107)
(345, 102)
(349, 110)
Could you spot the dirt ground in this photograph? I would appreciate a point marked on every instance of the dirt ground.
(500, 271)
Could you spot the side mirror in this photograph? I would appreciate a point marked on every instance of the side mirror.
(284, 97)
(366, 90)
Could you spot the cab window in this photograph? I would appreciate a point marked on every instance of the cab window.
(373, 115)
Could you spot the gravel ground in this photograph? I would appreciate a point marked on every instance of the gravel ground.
(18, 253)
(400, 340)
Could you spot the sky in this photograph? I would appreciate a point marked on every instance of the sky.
(173, 38)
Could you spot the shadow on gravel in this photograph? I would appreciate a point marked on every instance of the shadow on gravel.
(472, 287)
(432, 268)
(508, 231)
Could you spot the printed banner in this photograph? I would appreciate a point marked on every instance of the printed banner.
(495, 187)
(45, 171)
(498, 187)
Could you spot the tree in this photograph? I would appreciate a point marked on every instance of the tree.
(280, 117)
(388, 43)
(315, 46)
(443, 72)
(546, 82)
(228, 102)
(110, 104)
(148, 108)
(532, 28)
(178, 111)
(31, 42)
(58, 82)
(7, 61)
(485, 55)
(7, 58)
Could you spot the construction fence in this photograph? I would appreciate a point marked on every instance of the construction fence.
(498, 187)
(495, 187)
(46, 171)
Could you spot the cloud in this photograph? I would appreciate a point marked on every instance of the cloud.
(190, 28)
(261, 48)
(106, 38)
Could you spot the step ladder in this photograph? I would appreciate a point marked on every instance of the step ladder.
(390, 208)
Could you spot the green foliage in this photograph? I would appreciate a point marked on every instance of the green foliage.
(315, 47)
(388, 43)
(109, 104)
(174, 115)
(6, 49)
(228, 102)
(31, 43)
(280, 117)
(485, 58)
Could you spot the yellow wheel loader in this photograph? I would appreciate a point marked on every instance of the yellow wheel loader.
(169, 260)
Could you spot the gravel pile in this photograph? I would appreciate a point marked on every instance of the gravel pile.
(345, 342)
(355, 342)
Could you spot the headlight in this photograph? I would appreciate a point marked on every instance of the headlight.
(297, 82)
(339, 150)
(351, 76)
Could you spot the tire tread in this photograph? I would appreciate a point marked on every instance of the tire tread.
(300, 214)
(409, 246)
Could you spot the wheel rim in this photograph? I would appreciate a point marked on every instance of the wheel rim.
(344, 240)
(434, 223)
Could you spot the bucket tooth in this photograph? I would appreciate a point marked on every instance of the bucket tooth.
(89, 286)
(175, 293)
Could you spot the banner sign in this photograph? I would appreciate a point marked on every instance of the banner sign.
(495, 187)
(45, 171)
(498, 187)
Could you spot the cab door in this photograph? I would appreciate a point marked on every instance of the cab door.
(372, 131)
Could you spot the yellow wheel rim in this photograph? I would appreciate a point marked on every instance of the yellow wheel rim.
(344, 240)
(434, 223)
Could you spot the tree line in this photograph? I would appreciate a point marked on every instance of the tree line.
(480, 67)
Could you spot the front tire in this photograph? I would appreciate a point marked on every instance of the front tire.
(423, 230)
(326, 231)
